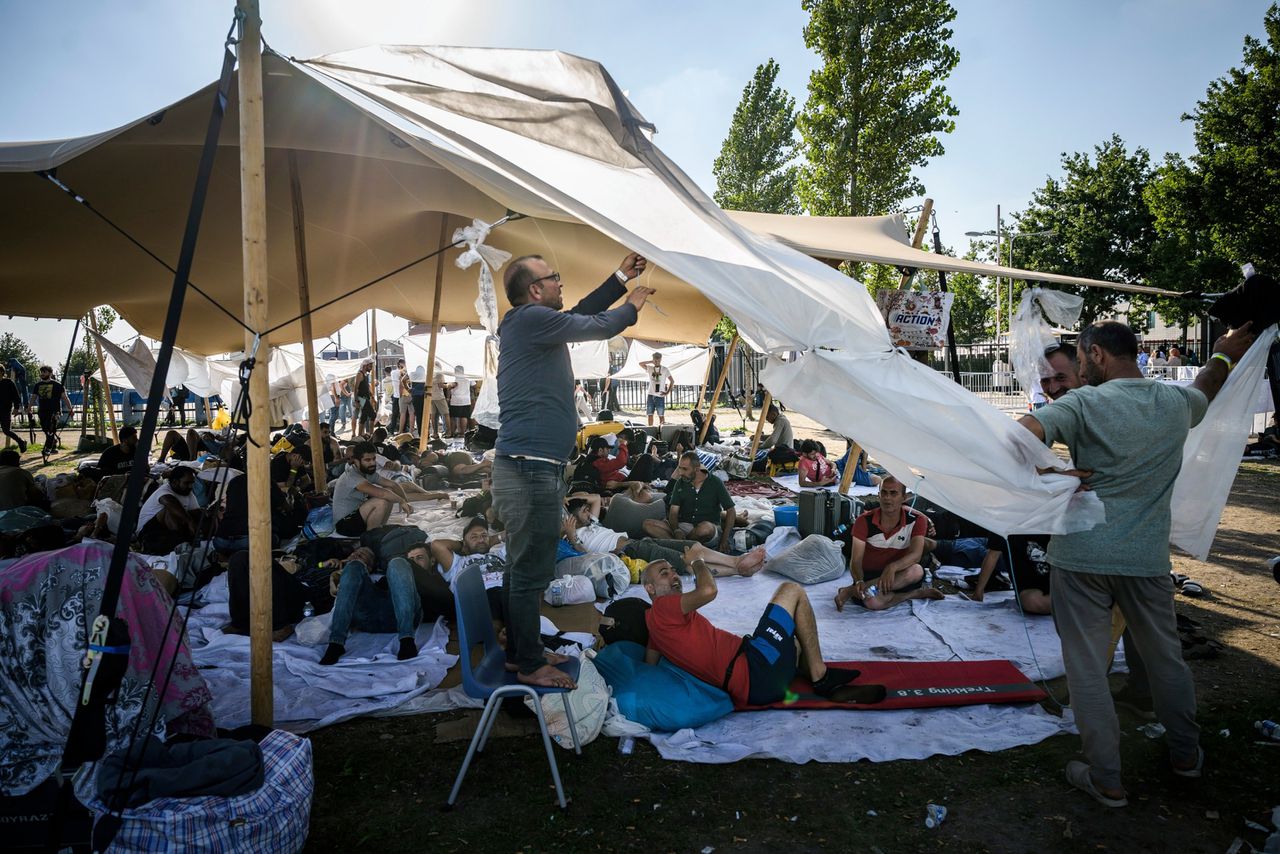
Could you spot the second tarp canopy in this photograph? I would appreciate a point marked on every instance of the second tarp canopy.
(465, 347)
(688, 364)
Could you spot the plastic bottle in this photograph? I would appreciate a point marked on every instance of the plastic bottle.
(839, 530)
(626, 744)
(1268, 729)
(556, 591)
(934, 815)
(872, 592)
(308, 610)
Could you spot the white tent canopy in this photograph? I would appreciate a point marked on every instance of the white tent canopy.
(466, 347)
(688, 364)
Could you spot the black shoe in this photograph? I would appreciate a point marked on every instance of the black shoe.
(22, 447)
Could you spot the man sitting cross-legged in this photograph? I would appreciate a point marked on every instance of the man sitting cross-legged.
(362, 498)
(700, 507)
(586, 536)
(386, 605)
(754, 671)
(884, 551)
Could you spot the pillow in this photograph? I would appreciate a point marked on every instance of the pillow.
(628, 516)
(662, 697)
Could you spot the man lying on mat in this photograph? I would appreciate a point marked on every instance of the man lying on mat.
(755, 670)
(884, 552)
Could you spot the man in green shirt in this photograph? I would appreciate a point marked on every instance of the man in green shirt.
(1106, 425)
(700, 507)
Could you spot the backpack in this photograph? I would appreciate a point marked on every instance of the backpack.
(392, 541)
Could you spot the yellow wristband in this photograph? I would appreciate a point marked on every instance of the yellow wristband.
(1225, 358)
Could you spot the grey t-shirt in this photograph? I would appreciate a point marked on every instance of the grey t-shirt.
(346, 498)
(781, 437)
(1129, 433)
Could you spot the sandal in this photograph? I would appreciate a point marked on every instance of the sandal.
(1179, 579)
(1078, 776)
(1192, 589)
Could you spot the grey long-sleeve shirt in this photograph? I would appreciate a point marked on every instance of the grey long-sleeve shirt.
(535, 375)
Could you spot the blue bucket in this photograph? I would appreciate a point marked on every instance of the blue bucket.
(787, 515)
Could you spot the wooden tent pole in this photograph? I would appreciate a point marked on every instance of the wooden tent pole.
(724, 375)
(918, 240)
(375, 381)
(850, 465)
(764, 410)
(427, 417)
(706, 378)
(102, 368)
(318, 472)
(253, 218)
(208, 414)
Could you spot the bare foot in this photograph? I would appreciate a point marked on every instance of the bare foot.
(751, 562)
(843, 595)
(547, 677)
(930, 593)
(552, 658)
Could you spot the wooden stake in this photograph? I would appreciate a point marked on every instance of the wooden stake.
(318, 473)
(851, 464)
(106, 386)
(724, 375)
(764, 410)
(208, 414)
(427, 417)
(253, 220)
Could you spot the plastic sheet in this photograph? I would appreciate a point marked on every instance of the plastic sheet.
(1030, 334)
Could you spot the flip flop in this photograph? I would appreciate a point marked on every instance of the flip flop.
(1179, 579)
(1195, 772)
(1192, 589)
(1078, 775)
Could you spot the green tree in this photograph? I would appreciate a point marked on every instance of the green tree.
(877, 104)
(1101, 226)
(1219, 208)
(754, 171)
(13, 347)
(973, 307)
(84, 358)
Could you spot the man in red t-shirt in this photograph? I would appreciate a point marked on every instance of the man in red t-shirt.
(755, 670)
(885, 549)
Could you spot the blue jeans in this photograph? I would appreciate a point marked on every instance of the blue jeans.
(528, 496)
(372, 608)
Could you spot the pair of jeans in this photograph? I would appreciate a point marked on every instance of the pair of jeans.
(672, 551)
(1081, 605)
(369, 607)
(528, 496)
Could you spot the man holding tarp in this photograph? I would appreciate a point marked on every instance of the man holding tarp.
(1125, 560)
(536, 437)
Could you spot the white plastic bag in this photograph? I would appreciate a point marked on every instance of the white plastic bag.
(589, 702)
(570, 590)
(1030, 334)
(113, 509)
(609, 575)
(313, 630)
(782, 538)
(813, 560)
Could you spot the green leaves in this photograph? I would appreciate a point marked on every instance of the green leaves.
(877, 104)
(754, 171)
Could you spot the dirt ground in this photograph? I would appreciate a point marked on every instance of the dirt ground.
(380, 783)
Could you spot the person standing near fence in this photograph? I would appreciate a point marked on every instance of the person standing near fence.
(49, 395)
(10, 401)
(536, 439)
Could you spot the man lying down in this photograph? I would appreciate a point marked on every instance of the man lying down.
(754, 671)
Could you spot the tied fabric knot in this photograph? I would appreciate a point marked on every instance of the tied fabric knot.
(490, 259)
(1031, 334)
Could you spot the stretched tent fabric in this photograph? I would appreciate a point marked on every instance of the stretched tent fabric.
(476, 113)
(688, 365)
(883, 240)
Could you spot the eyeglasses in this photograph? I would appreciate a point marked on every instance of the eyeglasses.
(555, 277)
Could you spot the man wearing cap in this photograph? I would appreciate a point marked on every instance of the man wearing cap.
(660, 384)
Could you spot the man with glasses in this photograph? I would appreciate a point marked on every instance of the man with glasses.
(536, 439)
(49, 396)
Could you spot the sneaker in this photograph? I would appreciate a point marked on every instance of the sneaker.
(1078, 775)
(22, 447)
(1137, 704)
(1196, 771)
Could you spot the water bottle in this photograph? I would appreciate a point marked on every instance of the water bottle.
(872, 592)
(844, 526)
(308, 610)
(1269, 729)
(626, 744)
(934, 815)
(556, 592)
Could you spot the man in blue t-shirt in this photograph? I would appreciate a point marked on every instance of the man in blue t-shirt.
(1125, 560)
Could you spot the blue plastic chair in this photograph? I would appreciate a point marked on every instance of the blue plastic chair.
(491, 681)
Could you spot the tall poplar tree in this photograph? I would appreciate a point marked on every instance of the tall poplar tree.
(754, 171)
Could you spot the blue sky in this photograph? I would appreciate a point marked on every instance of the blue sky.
(1035, 79)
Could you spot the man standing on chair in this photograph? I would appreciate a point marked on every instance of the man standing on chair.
(1125, 560)
(536, 439)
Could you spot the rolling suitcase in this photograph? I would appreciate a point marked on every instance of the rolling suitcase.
(824, 512)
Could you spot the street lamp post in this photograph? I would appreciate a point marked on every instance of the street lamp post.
(996, 235)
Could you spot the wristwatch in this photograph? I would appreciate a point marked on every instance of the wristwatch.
(622, 277)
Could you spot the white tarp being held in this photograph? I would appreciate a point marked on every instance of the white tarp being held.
(1031, 334)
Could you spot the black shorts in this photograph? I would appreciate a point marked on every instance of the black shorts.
(459, 411)
(1028, 578)
(770, 652)
(351, 525)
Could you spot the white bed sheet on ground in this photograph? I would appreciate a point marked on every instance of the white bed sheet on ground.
(307, 696)
(792, 482)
